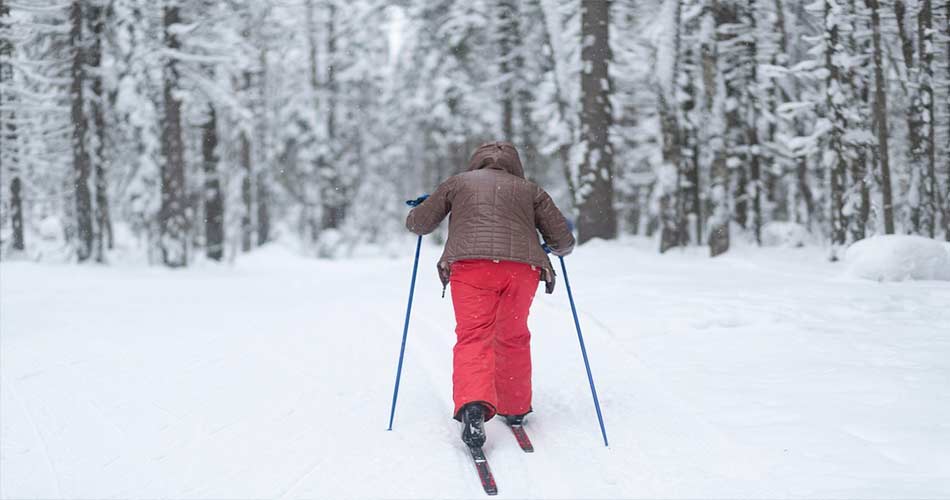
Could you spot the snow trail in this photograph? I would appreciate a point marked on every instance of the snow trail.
(761, 374)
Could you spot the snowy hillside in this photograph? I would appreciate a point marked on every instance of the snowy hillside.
(762, 374)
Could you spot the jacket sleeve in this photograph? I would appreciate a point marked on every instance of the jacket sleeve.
(552, 224)
(427, 216)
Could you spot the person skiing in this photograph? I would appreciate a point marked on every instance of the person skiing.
(494, 262)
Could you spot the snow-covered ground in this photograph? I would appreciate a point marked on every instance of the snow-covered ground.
(762, 373)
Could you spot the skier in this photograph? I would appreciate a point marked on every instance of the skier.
(494, 262)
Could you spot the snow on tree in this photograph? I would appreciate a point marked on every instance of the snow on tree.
(203, 129)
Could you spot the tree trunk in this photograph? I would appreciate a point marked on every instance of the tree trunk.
(717, 85)
(754, 190)
(8, 134)
(858, 81)
(524, 99)
(907, 44)
(81, 166)
(213, 198)
(688, 190)
(103, 235)
(880, 116)
(310, 225)
(507, 30)
(263, 180)
(914, 115)
(597, 217)
(247, 199)
(173, 219)
(928, 141)
(16, 213)
(946, 194)
(334, 193)
(741, 196)
(835, 95)
(670, 196)
(263, 209)
(777, 94)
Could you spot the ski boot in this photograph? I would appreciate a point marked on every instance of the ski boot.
(473, 425)
(513, 420)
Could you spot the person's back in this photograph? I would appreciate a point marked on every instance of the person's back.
(495, 214)
(493, 259)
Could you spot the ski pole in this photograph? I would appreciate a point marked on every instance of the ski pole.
(580, 337)
(405, 329)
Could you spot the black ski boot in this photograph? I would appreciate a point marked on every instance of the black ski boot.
(473, 425)
(515, 419)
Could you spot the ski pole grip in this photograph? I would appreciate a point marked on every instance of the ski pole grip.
(416, 202)
(546, 248)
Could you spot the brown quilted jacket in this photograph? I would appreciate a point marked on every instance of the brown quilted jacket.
(496, 214)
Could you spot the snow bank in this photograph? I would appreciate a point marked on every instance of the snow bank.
(898, 258)
(784, 234)
(51, 228)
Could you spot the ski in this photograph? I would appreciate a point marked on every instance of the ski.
(484, 473)
(522, 437)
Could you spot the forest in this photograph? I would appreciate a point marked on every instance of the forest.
(188, 130)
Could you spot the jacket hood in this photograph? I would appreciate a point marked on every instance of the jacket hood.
(497, 155)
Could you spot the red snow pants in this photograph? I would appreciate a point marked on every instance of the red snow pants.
(492, 355)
